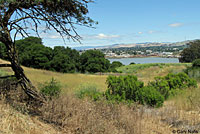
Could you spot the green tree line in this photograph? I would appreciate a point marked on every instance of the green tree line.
(32, 53)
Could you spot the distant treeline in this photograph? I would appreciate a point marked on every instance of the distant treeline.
(32, 53)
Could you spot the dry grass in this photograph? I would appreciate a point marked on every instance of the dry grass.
(13, 122)
(85, 117)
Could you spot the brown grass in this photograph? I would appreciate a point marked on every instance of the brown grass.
(13, 122)
(83, 116)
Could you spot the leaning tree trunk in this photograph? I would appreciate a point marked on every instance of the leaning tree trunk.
(25, 83)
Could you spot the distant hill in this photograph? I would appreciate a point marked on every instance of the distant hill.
(146, 44)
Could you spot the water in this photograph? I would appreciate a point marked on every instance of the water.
(127, 61)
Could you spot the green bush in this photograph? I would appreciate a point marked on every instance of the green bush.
(128, 88)
(51, 89)
(196, 63)
(89, 91)
(132, 63)
(167, 84)
(194, 70)
(123, 88)
(150, 96)
(161, 85)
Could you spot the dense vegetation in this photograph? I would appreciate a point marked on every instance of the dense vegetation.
(32, 53)
(191, 53)
(128, 88)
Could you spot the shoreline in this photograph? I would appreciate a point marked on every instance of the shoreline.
(138, 56)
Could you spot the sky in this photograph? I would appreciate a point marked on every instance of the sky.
(136, 21)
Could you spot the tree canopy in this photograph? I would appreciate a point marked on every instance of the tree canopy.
(191, 53)
(32, 53)
(94, 61)
(60, 15)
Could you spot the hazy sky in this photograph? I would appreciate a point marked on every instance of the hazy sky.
(136, 21)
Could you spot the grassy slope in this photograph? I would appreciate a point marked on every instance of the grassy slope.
(69, 82)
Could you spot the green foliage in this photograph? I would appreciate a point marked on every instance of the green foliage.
(94, 61)
(51, 89)
(3, 53)
(161, 85)
(114, 65)
(65, 60)
(166, 85)
(191, 53)
(89, 91)
(36, 56)
(128, 88)
(132, 63)
(123, 87)
(196, 63)
(194, 70)
(150, 96)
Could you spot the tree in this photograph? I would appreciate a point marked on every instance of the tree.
(36, 56)
(94, 61)
(114, 65)
(21, 16)
(191, 53)
(65, 60)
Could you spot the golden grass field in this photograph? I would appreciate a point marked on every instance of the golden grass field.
(84, 116)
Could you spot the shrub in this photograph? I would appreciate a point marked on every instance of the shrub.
(132, 63)
(194, 70)
(196, 63)
(161, 85)
(150, 96)
(51, 89)
(123, 87)
(89, 91)
(128, 88)
(166, 85)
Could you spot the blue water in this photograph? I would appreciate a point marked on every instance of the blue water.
(127, 61)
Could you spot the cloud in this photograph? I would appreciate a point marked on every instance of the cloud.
(151, 31)
(175, 24)
(100, 36)
(140, 32)
(103, 36)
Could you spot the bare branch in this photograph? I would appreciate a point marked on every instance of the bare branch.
(5, 77)
(5, 65)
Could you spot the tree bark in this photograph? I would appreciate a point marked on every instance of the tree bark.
(25, 83)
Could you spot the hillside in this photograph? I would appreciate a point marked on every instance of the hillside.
(69, 114)
(145, 44)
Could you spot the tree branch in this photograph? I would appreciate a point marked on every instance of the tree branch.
(5, 65)
(5, 77)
